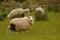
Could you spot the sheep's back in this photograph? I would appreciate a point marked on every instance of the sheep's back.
(21, 23)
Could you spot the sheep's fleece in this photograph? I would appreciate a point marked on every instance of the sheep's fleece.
(19, 24)
(16, 12)
(40, 10)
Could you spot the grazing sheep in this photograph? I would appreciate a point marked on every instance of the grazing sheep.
(20, 24)
(19, 12)
(40, 13)
(27, 10)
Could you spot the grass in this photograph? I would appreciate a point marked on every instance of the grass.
(40, 30)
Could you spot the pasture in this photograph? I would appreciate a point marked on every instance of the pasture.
(40, 30)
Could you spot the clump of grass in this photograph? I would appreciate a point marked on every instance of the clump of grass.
(53, 8)
(1, 18)
(4, 15)
(39, 16)
(49, 8)
(56, 9)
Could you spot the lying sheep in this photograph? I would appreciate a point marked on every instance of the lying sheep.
(40, 13)
(19, 12)
(20, 24)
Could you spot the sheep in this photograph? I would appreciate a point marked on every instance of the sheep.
(20, 24)
(27, 10)
(40, 13)
(19, 12)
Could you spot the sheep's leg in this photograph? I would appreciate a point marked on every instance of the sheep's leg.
(8, 29)
(11, 28)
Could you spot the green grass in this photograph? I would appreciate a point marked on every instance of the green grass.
(40, 30)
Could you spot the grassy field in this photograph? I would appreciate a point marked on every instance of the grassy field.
(41, 30)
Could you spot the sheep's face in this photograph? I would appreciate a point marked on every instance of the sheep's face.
(8, 16)
(31, 19)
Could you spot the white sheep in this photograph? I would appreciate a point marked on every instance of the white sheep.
(19, 12)
(20, 24)
(41, 10)
(40, 13)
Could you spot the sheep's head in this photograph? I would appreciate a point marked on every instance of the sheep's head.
(8, 16)
(31, 19)
(40, 10)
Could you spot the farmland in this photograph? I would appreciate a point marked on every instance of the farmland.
(40, 30)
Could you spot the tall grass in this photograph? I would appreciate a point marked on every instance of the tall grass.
(53, 8)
